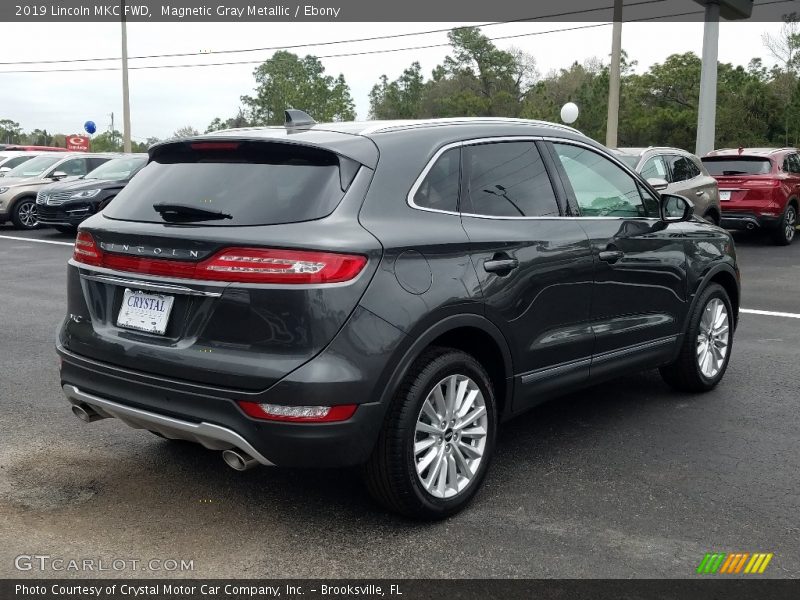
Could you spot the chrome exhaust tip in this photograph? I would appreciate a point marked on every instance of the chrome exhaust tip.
(238, 460)
(86, 413)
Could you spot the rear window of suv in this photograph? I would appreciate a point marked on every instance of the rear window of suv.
(251, 183)
(737, 166)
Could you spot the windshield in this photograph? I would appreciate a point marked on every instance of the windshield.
(253, 183)
(117, 169)
(34, 167)
(737, 166)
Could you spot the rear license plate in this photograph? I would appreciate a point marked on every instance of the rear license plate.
(145, 312)
(726, 195)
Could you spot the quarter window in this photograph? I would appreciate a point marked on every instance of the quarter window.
(439, 189)
(654, 168)
(507, 179)
(602, 188)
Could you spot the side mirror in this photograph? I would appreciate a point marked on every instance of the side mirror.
(657, 183)
(675, 209)
(58, 175)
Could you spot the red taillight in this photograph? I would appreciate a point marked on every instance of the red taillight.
(237, 265)
(764, 183)
(298, 414)
(86, 251)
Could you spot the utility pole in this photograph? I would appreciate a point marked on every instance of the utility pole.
(707, 106)
(613, 77)
(126, 104)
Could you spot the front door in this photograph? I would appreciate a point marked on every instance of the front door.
(639, 296)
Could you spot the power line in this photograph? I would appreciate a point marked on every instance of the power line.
(320, 44)
(372, 52)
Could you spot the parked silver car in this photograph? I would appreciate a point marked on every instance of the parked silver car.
(19, 187)
(676, 171)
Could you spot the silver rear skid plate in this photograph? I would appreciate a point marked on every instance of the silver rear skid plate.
(213, 437)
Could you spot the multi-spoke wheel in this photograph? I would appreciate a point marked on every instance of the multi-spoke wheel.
(712, 339)
(438, 438)
(450, 436)
(706, 347)
(787, 228)
(23, 214)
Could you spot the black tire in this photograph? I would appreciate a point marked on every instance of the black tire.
(391, 474)
(685, 373)
(20, 213)
(70, 229)
(787, 227)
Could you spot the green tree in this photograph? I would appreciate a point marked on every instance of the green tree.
(399, 99)
(185, 131)
(240, 120)
(108, 141)
(10, 132)
(287, 81)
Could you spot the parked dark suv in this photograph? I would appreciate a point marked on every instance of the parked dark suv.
(384, 294)
(67, 204)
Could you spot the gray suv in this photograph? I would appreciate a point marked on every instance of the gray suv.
(677, 172)
(384, 295)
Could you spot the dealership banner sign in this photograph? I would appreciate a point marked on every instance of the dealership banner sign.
(78, 143)
(370, 10)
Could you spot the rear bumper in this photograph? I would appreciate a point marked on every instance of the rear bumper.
(199, 408)
(209, 435)
(748, 220)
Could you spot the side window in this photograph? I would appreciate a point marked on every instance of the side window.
(507, 179)
(76, 166)
(794, 163)
(654, 168)
(601, 188)
(439, 189)
(681, 168)
(96, 162)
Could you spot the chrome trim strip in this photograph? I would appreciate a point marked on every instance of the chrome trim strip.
(400, 124)
(622, 352)
(167, 288)
(547, 372)
(213, 437)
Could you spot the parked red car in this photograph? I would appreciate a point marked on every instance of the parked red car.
(35, 148)
(759, 188)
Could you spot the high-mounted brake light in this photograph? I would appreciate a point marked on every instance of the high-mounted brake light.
(298, 414)
(214, 145)
(236, 265)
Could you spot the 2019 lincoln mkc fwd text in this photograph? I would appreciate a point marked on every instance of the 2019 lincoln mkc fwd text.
(384, 294)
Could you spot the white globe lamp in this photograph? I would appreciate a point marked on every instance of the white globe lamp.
(569, 113)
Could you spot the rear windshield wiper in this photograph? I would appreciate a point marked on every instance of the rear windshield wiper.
(182, 212)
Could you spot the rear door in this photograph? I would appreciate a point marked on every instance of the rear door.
(639, 297)
(534, 266)
(253, 271)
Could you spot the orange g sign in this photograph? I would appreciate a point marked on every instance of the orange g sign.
(78, 143)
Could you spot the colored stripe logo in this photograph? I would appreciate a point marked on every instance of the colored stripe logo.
(734, 563)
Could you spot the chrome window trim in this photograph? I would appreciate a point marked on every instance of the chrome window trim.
(509, 138)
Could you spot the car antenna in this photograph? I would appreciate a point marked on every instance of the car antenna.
(297, 119)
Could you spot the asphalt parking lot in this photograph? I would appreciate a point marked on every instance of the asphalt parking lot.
(628, 479)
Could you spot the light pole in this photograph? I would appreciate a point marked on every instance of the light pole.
(126, 104)
(613, 77)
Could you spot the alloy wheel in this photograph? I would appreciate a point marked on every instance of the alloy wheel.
(790, 224)
(27, 214)
(450, 436)
(713, 339)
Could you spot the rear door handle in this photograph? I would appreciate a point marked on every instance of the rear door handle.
(699, 193)
(611, 256)
(500, 265)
